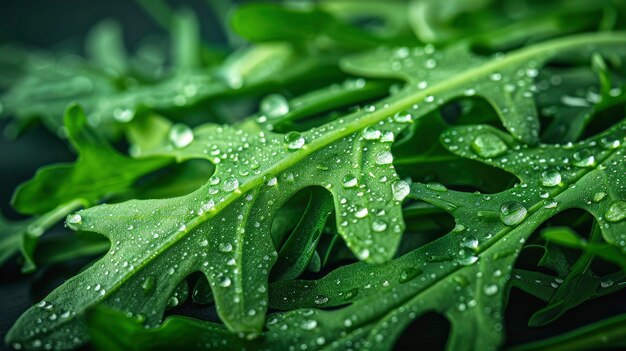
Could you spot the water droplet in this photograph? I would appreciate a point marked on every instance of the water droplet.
(469, 242)
(403, 117)
(512, 213)
(349, 181)
(74, 218)
(225, 282)
(230, 184)
(488, 145)
(617, 212)
(400, 190)
(436, 187)
(371, 134)
(490, 289)
(180, 135)
(148, 285)
(384, 158)
(309, 324)
(321, 299)
(204, 242)
(599, 196)
(409, 274)
(364, 254)
(273, 181)
(606, 283)
(226, 247)
(274, 106)
(294, 141)
(550, 178)
(467, 259)
(362, 213)
(610, 143)
(123, 115)
(583, 158)
(351, 294)
(378, 225)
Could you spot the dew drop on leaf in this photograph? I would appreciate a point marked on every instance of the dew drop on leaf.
(378, 225)
(351, 294)
(321, 299)
(599, 196)
(583, 158)
(488, 145)
(617, 212)
(436, 187)
(550, 178)
(123, 115)
(490, 289)
(74, 218)
(370, 133)
(180, 135)
(512, 213)
(409, 274)
(400, 190)
(384, 158)
(230, 184)
(403, 117)
(362, 213)
(294, 141)
(274, 106)
(469, 242)
(226, 247)
(225, 282)
(349, 181)
(148, 285)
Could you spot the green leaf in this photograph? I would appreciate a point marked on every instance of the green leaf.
(609, 333)
(223, 229)
(99, 172)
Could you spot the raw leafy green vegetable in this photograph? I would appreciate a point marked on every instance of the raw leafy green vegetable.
(385, 175)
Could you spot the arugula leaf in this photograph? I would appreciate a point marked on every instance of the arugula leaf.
(223, 229)
(100, 171)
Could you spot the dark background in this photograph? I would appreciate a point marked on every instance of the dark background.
(63, 24)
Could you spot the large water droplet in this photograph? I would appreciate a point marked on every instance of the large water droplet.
(488, 145)
(180, 135)
(490, 289)
(512, 213)
(617, 212)
(225, 282)
(74, 218)
(384, 158)
(370, 133)
(362, 213)
(309, 324)
(400, 190)
(550, 178)
(402, 117)
(583, 158)
(469, 242)
(378, 225)
(123, 115)
(294, 141)
(230, 184)
(274, 106)
(349, 181)
(226, 247)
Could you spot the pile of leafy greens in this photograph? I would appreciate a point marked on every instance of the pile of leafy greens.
(333, 173)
